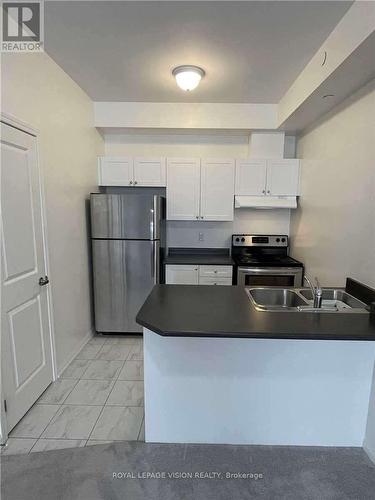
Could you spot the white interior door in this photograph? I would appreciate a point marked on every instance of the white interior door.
(26, 344)
(217, 190)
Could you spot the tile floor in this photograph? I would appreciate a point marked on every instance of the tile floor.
(97, 399)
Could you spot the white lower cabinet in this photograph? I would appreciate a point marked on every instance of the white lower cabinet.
(181, 275)
(177, 274)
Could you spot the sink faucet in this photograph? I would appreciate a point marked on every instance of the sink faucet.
(316, 291)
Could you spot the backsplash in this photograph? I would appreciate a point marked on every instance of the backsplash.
(218, 234)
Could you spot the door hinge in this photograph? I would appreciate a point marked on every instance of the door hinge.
(5, 405)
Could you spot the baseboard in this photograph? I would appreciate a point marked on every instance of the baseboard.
(84, 341)
(369, 453)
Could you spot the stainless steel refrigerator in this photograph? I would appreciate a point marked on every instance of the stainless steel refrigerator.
(127, 233)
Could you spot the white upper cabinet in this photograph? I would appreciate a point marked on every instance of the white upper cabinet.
(267, 177)
(251, 177)
(283, 177)
(149, 172)
(217, 190)
(200, 190)
(121, 171)
(183, 188)
(115, 171)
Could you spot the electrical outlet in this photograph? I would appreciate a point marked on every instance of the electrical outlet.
(200, 237)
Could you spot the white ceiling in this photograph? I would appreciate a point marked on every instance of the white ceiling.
(125, 51)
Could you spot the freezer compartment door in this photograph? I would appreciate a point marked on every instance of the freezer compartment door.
(126, 216)
(124, 274)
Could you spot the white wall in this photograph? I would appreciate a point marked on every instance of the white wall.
(215, 234)
(176, 145)
(369, 441)
(37, 91)
(333, 229)
(186, 115)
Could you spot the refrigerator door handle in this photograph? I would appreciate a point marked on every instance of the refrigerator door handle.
(152, 223)
(155, 218)
(155, 261)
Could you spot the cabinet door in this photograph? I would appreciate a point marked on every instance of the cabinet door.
(149, 172)
(115, 171)
(183, 188)
(181, 275)
(283, 177)
(217, 190)
(251, 177)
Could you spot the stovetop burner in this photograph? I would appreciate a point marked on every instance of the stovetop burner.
(262, 251)
(266, 261)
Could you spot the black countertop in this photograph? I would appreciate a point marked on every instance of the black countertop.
(199, 256)
(226, 311)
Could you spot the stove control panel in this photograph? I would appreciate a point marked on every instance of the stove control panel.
(259, 240)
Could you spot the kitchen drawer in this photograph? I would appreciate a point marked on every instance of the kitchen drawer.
(208, 280)
(216, 271)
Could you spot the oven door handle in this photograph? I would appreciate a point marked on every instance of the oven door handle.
(269, 270)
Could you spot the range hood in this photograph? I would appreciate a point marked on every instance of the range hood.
(265, 202)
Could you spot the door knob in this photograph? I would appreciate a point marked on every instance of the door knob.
(43, 281)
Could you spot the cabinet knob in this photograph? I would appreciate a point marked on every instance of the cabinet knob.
(268, 192)
(201, 216)
(264, 191)
(197, 216)
(135, 182)
(131, 182)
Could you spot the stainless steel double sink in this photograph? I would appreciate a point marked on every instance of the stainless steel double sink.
(334, 300)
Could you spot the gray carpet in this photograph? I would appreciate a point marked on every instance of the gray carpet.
(288, 473)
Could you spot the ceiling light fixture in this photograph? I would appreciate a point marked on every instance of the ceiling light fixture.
(188, 77)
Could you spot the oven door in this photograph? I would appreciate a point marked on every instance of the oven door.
(270, 276)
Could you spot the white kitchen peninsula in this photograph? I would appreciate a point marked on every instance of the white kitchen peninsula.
(218, 371)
